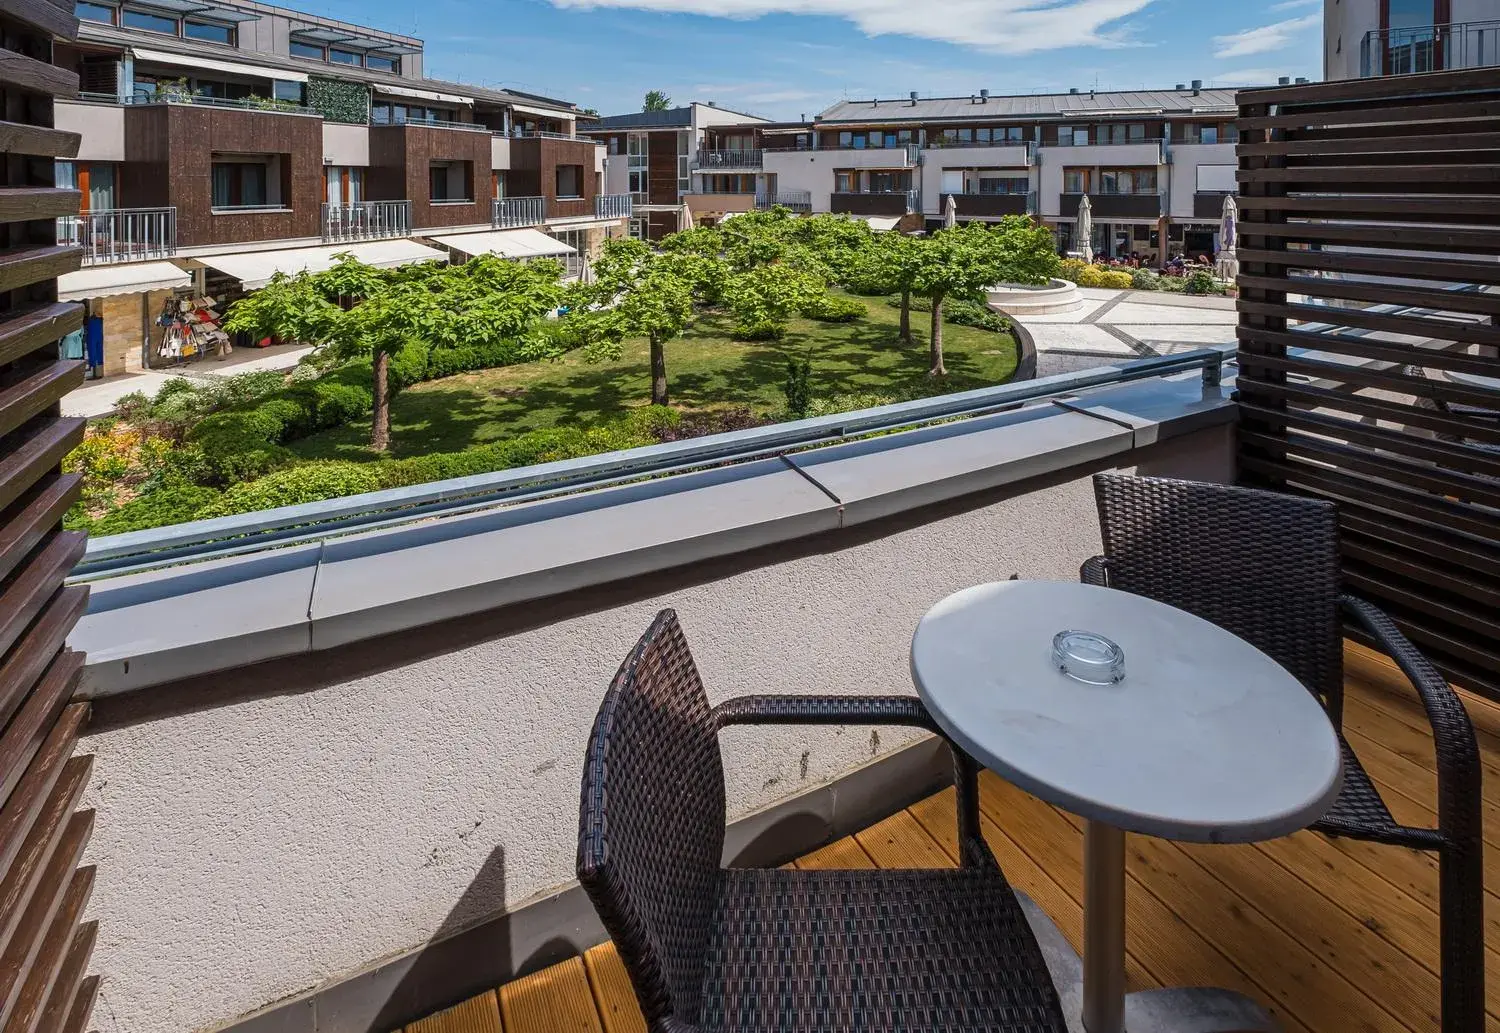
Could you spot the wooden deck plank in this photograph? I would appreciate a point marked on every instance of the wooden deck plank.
(554, 1000)
(476, 1015)
(900, 842)
(613, 995)
(841, 853)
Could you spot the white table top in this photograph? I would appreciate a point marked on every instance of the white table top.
(1206, 739)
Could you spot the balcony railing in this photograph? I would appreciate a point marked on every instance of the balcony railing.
(892, 202)
(796, 200)
(613, 206)
(1429, 48)
(1091, 142)
(121, 234)
(1209, 204)
(989, 205)
(435, 123)
(540, 135)
(940, 143)
(710, 160)
(514, 212)
(184, 97)
(1114, 206)
(366, 220)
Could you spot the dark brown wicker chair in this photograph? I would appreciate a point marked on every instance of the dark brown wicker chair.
(719, 949)
(1265, 566)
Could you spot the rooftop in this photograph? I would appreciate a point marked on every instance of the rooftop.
(1034, 105)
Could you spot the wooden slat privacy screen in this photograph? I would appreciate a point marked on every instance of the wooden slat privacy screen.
(1369, 296)
(44, 944)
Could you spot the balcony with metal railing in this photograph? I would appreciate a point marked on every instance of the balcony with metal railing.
(613, 206)
(891, 202)
(990, 205)
(121, 234)
(1430, 48)
(727, 160)
(796, 200)
(1111, 205)
(508, 213)
(366, 220)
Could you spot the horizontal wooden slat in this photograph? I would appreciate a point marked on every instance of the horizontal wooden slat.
(1375, 92)
(52, 955)
(24, 736)
(23, 597)
(1375, 583)
(1468, 331)
(42, 141)
(21, 809)
(24, 944)
(19, 883)
(21, 204)
(34, 460)
(1448, 455)
(1474, 302)
(1403, 266)
(22, 667)
(32, 517)
(1435, 111)
(83, 1006)
(1312, 396)
(1459, 209)
(55, 19)
(1375, 144)
(20, 72)
(20, 267)
(28, 330)
(1407, 238)
(1344, 373)
(37, 393)
(1354, 176)
(1479, 590)
(60, 1001)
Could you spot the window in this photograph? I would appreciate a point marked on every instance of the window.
(299, 49)
(449, 181)
(1076, 181)
(882, 182)
(343, 184)
(208, 31)
(612, 144)
(1208, 134)
(293, 92)
(684, 163)
(1137, 132)
(570, 181)
(844, 182)
(640, 229)
(1072, 136)
(148, 21)
(1127, 181)
(1003, 184)
(94, 12)
(240, 184)
(343, 57)
(378, 63)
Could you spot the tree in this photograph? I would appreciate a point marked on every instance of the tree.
(961, 261)
(889, 265)
(765, 298)
(637, 292)
(656, 100)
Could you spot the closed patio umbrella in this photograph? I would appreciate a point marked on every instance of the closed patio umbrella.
(1086, 228)
(950, 213)
(1229, 232)
(685, 217)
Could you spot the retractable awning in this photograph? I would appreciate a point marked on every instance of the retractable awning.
(162, 57)
(527, 109)
(402, 91)
(506, 244)
(255, 268)
(101, 281)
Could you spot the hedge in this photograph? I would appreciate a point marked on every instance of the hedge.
(831, 308)
(175, 504)
(960, 313)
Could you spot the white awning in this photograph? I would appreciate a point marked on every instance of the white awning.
(163, 57)
(402, 91)
(880, 223)
(255, 268)
(527, 109)
(507, 244)
(101, 281)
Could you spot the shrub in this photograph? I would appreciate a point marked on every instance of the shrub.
(1144, 280)
(1173, 284)
(1115, 279)
(713, 421)
(1072, 269)
(1203, 282)
(1091, 276)
(759, 328)
(868, 286)
(975, 314)
(831, 308)
(309, 482)
(796, 390)
(175, 504)
(447, 362)
(653, 420)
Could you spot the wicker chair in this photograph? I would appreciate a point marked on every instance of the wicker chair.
(711, 948)
(1265, 566)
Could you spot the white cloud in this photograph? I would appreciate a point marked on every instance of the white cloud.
(1248, 77)
(1265, 38)
(1002, 26)
(1292, 5)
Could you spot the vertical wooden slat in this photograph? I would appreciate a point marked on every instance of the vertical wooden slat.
(44, 953)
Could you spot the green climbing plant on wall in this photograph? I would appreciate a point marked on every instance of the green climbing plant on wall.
(339, 101)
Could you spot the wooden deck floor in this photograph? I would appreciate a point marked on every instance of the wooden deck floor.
(1331, 935)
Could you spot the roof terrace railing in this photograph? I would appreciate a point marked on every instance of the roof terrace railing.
(248, 532)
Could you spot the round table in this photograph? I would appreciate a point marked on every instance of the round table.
(1205, 739)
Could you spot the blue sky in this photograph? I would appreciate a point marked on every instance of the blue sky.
(784, 58)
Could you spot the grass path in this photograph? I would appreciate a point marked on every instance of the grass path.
(705, 369)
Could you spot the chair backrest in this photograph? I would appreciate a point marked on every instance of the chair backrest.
(1261, 564)
(651, 821)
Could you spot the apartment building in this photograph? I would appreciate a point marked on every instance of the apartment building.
(652, 155)
(1155, 164)
(1364, 38)
(223, 142)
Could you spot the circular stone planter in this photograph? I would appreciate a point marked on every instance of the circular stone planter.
(1016, 299)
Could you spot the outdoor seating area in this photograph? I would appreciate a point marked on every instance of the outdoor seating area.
(1305, 814)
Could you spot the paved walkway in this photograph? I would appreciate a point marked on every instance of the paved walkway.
(1114, 326)
(98, 397)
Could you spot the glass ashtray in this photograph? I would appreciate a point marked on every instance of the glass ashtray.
(1087, 657)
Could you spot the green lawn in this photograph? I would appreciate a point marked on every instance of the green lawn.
(705, 369)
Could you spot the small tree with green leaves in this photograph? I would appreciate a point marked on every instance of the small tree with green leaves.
(1028, 252)
(765, 298)
(890, 264)
(959, 262)
(636, 292)
(656, 100)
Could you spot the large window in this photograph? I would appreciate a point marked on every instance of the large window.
(1003, 183)
(209, 31)
(684, 160)
(299, 49)
(1072, 136)
(149, 21)
(450, 182)
(293, 92)
(241, 184)
(380, 63)
(95, 181)
(888, 182)
(94, 12)
(637, 146)
(1076, 181)
(1127, 181)
(569, 181)
(844, 182)
(860, 140)
(343, 57)
(343, 184)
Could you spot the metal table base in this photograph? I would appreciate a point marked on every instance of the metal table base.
(1092, 988)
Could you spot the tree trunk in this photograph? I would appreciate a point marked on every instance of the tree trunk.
(658, 372)
(937, 369)
(380, 421)
(906, 316)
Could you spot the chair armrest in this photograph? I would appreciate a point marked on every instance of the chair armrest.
(823, 710)
(1459, 778)
(1095, 571)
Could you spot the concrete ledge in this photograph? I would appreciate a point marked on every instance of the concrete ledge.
(562, 924)
(1015, 299)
